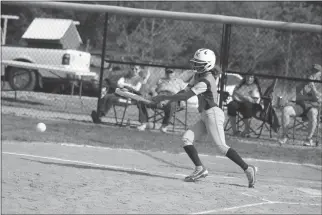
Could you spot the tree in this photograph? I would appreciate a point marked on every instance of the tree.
(168, 41)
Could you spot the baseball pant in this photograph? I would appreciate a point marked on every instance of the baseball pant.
(212, 123)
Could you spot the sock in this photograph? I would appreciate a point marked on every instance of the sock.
(234, 156)
(193, 154)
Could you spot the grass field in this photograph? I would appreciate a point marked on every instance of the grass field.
(37, 103)
(79, 167)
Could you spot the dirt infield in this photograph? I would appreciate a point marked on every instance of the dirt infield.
(63, 178)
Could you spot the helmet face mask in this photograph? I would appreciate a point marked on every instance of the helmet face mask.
(203, 60)
(198, 67)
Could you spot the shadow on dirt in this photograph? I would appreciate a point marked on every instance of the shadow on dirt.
(80, 166)
(21, 101)
(164, 161)
(232, 184)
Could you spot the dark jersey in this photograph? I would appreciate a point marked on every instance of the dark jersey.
(205, 87)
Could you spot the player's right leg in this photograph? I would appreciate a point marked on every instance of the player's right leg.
(196, 131)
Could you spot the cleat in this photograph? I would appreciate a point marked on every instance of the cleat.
(251, 175)
(197, 174)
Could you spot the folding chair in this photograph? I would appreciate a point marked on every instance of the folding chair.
(239, 124)
(300, 123)
(159, 115)
(121, 102)
(266, 116)
(125, 103)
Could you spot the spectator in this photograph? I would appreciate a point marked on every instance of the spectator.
(169, 85)
(131, 81)
(307, 105)
(246, 98)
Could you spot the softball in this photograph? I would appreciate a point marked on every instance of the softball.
(41, 127)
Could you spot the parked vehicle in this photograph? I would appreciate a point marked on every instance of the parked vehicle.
(50, 59)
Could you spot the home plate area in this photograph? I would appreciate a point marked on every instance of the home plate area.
(39, 178)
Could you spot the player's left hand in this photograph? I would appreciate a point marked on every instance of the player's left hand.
(158, 98)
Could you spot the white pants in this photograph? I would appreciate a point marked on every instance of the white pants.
(211, 122)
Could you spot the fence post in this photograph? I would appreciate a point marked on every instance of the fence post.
(102, 62)
(224, 55)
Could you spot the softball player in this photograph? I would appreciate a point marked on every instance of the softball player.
(212, 117)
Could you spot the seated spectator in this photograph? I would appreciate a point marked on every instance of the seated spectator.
(131, 81)
(168, 85)
(307, 105)
(246, 98)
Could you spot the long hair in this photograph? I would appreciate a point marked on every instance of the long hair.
(216, 71)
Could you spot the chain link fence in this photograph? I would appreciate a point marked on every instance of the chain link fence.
(274, 52)
(281, 57)
(154, 44)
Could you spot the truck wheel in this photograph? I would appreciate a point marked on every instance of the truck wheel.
(22, 79)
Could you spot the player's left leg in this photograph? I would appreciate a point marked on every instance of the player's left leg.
(214, 120)
(195, 132)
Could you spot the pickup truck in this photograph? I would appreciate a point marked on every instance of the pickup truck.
(28, 79)
(43, 62)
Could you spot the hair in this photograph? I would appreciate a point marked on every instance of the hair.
(216, 71)
(130, 74)
(256, 82)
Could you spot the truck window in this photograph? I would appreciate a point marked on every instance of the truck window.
(44, 45)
